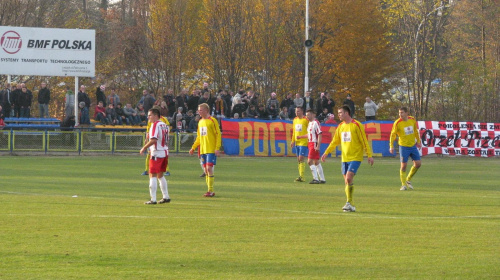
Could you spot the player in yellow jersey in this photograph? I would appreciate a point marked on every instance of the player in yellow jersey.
(351, 136)
(300, 124)
(209, 139)
(409, 144)
(164, 120)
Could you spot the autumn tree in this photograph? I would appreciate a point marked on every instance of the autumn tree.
(352, 51)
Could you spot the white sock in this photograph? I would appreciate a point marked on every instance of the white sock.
(314, 172)
(320, 172)
(152, 188)
(164, 187)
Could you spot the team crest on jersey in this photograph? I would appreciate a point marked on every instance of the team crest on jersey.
(203, 131)
(408, 130)
(346, 136)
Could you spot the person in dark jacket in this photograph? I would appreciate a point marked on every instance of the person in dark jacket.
(100, 96)
(24, 100)
(43, 100)
(350, 103)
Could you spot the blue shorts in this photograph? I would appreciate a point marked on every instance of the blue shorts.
(405, 152)
(351, 166)
(208, 159)
(301, 151)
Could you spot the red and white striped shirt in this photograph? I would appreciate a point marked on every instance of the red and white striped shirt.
(313, 131)
(159, 131)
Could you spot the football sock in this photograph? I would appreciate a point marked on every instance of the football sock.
(147, 162)
(320, 172)
(413, 170)
(301, 169)
(164, 187)
(349, 189)
(314, 172)
(402, 177)
(152, 188)
(210, 182)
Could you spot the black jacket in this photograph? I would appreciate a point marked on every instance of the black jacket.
(44, 96)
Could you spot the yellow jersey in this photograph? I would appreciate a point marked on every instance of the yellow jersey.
(208, 136)
(353, 141)
(299, 129)
(407, 131)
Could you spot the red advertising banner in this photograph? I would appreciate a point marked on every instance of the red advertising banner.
(460, 138)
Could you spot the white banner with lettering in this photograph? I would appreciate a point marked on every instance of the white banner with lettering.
(47, 51)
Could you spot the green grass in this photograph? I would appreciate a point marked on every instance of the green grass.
(260, 225)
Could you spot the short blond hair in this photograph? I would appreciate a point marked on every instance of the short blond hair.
(204, 105)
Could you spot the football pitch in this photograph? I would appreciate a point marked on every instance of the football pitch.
(84, 218)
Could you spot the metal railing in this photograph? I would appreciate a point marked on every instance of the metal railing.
(82, 141)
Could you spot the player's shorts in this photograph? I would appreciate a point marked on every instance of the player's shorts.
(208, 159)
(350, 166)
(301, 151)
(158, 165)
(405, 152)
(313, 154)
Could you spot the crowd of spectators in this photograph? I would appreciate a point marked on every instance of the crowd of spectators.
(180, 109)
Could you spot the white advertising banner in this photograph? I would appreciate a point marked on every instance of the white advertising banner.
(47, 51)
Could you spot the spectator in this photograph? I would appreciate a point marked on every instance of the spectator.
(284, 116)
(227, 98)
(111, 115)
(328, 103)
(263, 115)
(273, 113)
(319, 104)
(238, 107)
(144, 94)
(2, 117)
(206, 98)
(132, 116)
(170, 100)
(350, 103)
(140, 112)
(43, 100)
(15, 98)
(219, 108)
(330, 119)
(253, 98)
(84, 113)
(323, 116)
(180, 123)
(100, 96)
(370, 109)
(188, 117)
(120, 114)
(308, 102)
(149, 101)
(181, 101)
(244, 115)
(287, 102)
(193, 124)
(236, 116)
(113, 98)
(84, 97)
(192, 102)
(24, 101)
(252, 112)
(68, 123)
(69, 107)
(100, 113)
(163, 109)
(272, 101)
(7, 100)
(298, 102)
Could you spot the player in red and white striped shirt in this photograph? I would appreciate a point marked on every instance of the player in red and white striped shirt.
(314, 137)
(158, 149)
